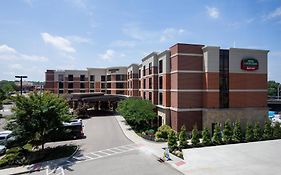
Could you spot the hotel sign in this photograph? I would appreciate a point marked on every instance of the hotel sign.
(249, 64)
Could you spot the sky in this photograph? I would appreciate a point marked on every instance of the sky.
(36, 35)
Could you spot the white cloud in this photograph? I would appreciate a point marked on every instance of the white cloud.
(123, 43)
(16, 66)
(135, 32)
(78, 39)
(273, 14)
(213, 12)
(110, 54)
(10, 54)
(58, 42)
(170, 34)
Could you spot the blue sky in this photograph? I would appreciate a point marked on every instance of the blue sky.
(36, 35)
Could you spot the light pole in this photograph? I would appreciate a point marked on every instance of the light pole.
(21, 77)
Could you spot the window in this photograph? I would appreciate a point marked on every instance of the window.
(224, 78)
(103, 91)
(150, 83)
(70, 86)
(119, 85)
(160, 65)
(160, 82)
(131, 74)
(92, 78)
(150, 96)
(82, 85)
(160, 98)
(60, 85)
(139, 73)
(82, 77)
(108, 85)
(108, 91)
(143, 95)
(60, 91)
(70, 91)
(102, 78)
(92, 85)
(61, 77)
(92, 91)
(143, 71)
(143, 84)
(70, 77)
(103, 85)
(120, 92)
(150, 68)
(82, 91)
(120, 77)
(108, 77)
(131, 84)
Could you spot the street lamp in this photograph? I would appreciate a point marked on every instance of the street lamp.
(21, 77)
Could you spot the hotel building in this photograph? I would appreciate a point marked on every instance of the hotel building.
(190, 84)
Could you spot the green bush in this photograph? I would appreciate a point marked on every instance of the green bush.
(163, 132)
(172, 141)
(277, 131)
(183, 138)
(267, 132)
(206, 137)
(216, 139)
(249, 136)
(257, 132)
(237, 133)
(227, 132)
(195, 137)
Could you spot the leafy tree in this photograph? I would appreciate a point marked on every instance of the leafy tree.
(227, 132)
(183, 138)
(163, 132)
(216, 139)
(249, 136)
(206, 137)
(272, 88)
(81, 110)
(277, 131)
(195, 137)
(136, 111)
(257, 132)
(237, 133)
(267, 132)
(38, 116)
(172, 141)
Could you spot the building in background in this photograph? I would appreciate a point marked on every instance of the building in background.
(191, 85)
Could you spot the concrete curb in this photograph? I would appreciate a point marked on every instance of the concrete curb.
(42, 168)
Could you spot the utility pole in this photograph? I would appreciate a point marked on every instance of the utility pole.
(21, 77)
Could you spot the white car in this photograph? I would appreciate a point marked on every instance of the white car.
(2, 149)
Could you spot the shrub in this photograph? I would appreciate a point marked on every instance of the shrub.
(237, 133)
(183, 138)
(172, 141)
(195, 137)
(216, 139)
(227, 132)
(276, 131)
(249, 136)
(257, 132)
(206, 137)
(267, 132)
(163, 132)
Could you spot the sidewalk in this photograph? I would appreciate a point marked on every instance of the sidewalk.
(154, 148)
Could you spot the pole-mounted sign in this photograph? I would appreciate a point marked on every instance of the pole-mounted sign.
(249, 64)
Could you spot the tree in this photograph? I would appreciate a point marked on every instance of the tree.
(249, 136)
(206, 137)
(267, 132)
(227, 132)
(172, 141)
(137, 111)
(257, 132)
(277, 131)
(237, 133)
(272, 88)
(195, 137)
(163, 132)
(183, 138)
(38, 116)
(216, 139)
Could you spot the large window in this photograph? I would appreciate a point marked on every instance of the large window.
(82, 85)
(92, 85)
(119, 85)
(224, 78)
(70, 91)
(103, 85)
(61, 77)
(108, 91)
(70, 77)
(120, 92)
(150, 68)
(160, 98)
(102, 78)
(60, 85)
(150, 96)
(82, 77)
(160, 65)
(143, 84)
(108, 85)
(108, 78)
(120, 77)
(139, 73)
(60, 91)
(92, 77)
(143, 71)
(70, 86)
(143, 95)
(161, 82)
(150, 83)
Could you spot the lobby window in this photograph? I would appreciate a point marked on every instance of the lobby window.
(160, 65)
(160, 98)
(70, 91)
(70, 86)
(108, 78)
(60, 91)
(150, 96)
(150, 68)
(82, 77)
(224, 78)
(143, 71)
(143, 84)
(60, 85)
(150, 83)
(108, 85)
(70, 78)
(92, 77)
(61, 77)
(161, 82)
(119, 85)
(82, 85)
(92, 85)
(102, 77)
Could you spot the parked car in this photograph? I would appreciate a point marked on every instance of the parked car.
(74, 129)
(7, 138)
(2, 149)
